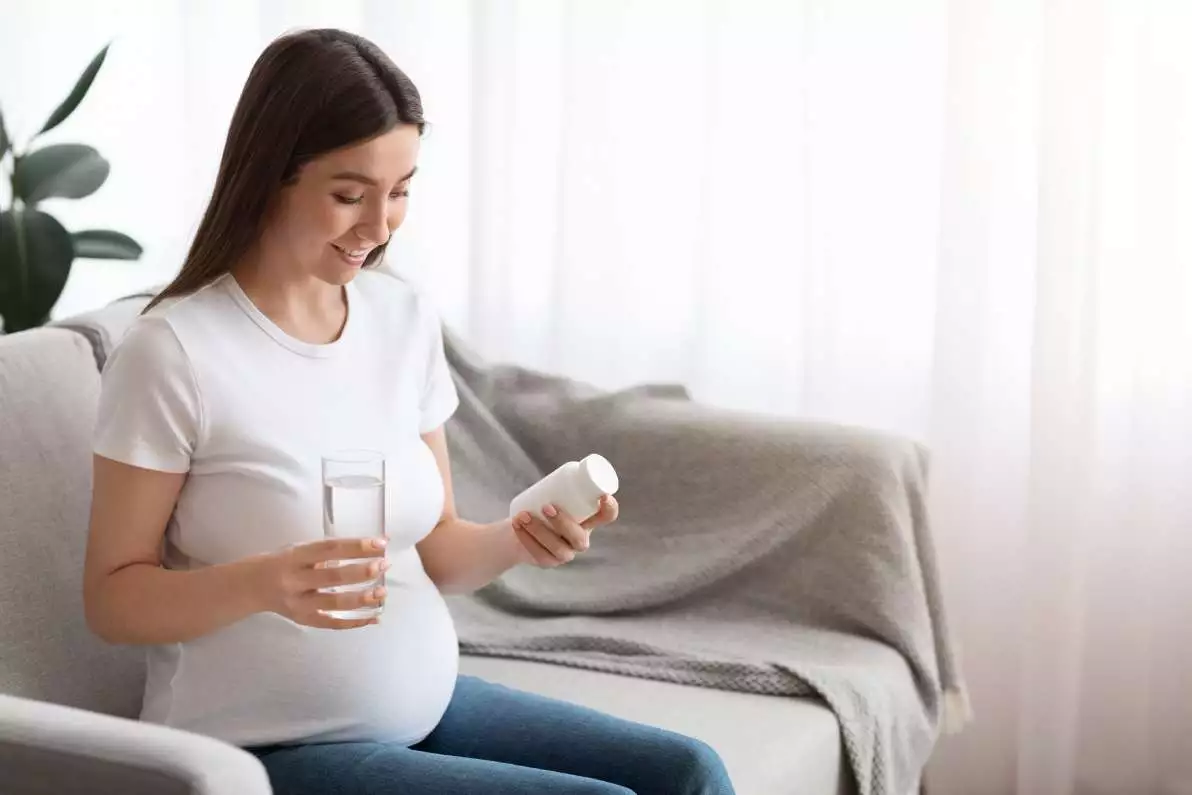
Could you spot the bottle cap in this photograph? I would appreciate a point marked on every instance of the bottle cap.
(600, 473)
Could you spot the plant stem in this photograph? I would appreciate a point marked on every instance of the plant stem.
(22, 253)
(12, 181)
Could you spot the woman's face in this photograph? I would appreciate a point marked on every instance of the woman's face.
(343, 205)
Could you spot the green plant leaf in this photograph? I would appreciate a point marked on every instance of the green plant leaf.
(105, 244)
(36, 253)
(4, 142)
(82, 85)
(69, 171)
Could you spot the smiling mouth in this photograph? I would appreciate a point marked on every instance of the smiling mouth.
(354, 255)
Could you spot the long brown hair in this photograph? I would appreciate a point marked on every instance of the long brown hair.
(308, 93)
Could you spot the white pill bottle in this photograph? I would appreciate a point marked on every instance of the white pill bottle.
(576, 487)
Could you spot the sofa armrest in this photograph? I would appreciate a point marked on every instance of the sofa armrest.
(49, 748)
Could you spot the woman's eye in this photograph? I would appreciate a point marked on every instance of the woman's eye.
(399, 194)
(348, 199)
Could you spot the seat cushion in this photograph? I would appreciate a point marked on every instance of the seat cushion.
(49, 387)
(771, 745)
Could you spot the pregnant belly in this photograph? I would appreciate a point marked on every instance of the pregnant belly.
(268, 680)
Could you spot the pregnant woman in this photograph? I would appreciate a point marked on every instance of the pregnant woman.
(276, 344)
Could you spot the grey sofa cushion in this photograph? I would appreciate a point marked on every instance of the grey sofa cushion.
(49, 387)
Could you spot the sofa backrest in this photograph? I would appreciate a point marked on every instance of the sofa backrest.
(49, 387)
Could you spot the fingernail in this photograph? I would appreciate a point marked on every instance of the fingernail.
(379, 543)
(550, 511)
(385, 565)
(379, 593)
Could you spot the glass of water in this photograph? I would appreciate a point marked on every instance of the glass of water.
(354, 507)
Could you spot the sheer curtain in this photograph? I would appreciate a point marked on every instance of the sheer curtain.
(1062, 392)
(967, 221)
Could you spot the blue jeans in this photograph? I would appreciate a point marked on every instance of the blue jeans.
(497, 741)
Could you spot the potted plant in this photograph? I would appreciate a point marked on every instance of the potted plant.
(36, 251)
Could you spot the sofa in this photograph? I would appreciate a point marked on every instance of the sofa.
(68, 701)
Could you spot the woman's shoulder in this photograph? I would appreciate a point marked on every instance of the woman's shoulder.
(188, 319)
(159, 334)
(160, 316)
(149, 341)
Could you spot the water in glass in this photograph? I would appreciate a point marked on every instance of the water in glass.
(353, 507)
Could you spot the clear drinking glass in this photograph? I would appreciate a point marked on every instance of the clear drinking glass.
(354, 507)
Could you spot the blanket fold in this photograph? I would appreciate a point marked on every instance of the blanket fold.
(752, 554)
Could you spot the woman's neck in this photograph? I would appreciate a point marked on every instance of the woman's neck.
(306, 308)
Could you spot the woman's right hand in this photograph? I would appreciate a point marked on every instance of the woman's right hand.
(288, 581)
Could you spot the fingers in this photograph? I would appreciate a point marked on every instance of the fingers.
(555, 537)
(348, 600)
(320, 621)
(565, 527)
(341, 549)
(546, 536)
(541, 555)
(610, 509)
(324, 577)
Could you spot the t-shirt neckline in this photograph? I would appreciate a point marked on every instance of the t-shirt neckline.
(301, 347)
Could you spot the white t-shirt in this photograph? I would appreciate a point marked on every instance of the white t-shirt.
(207, 384)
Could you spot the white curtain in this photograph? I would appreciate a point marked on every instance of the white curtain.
(967, 221)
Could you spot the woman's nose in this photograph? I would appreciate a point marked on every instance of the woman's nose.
(374, 229)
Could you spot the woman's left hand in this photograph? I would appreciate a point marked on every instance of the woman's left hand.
(560, 538)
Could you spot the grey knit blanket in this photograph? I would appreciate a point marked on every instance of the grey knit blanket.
(751, 554)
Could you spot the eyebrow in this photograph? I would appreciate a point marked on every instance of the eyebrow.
(356, 176)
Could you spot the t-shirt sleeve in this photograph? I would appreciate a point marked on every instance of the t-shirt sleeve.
(149, 408)
(439, 396)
